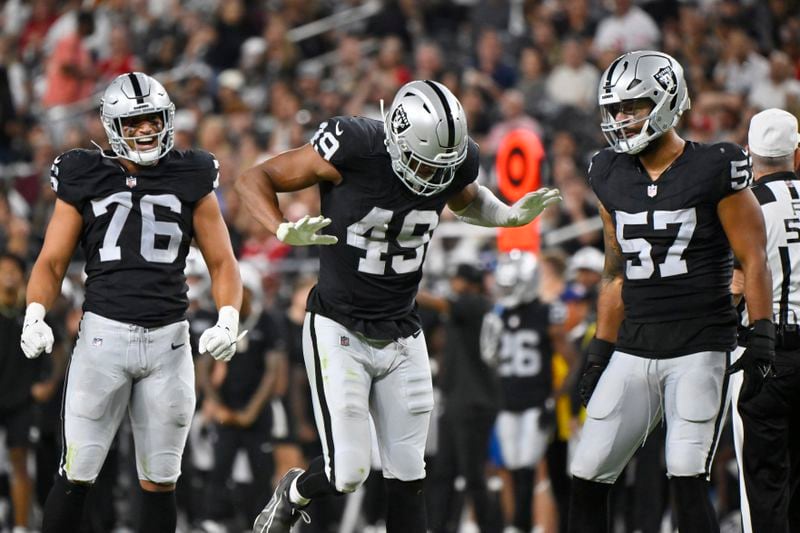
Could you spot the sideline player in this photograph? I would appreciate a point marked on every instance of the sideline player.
(383, 185)
(134, 210)
(672, 212)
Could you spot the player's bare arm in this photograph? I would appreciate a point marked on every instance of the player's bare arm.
(562, 345)
(288, 171)
(215, 245)
(743, 223)
(267, 389)
(610, 310)
(226, 284)
(61, 238)
(477, 205)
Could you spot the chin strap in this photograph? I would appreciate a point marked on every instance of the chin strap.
(103, 152)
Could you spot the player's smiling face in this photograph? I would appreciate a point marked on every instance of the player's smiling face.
(141, 132)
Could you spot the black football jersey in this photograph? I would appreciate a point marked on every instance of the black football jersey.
(678, 262)
(369, 279)
(136, 230)
(526, 354)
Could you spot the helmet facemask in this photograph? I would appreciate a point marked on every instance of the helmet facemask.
(617, 133)
(127, 147)
(426, 136)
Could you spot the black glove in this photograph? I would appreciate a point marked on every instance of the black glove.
(547, 417)
(758, 359)
(597, 356)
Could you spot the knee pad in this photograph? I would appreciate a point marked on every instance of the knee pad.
(352, 468)
(686, 461)
(83, 462)
(161, 468)
(404, 462)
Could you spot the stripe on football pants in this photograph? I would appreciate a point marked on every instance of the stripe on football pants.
(723, 397)
(62, 463)
(323, 404)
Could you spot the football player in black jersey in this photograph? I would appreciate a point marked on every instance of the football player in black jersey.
(672, 210)
(520, 336)
(383, 185)
(134, 210)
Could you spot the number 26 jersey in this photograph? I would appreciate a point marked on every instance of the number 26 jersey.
(368, 280)
(677, 262)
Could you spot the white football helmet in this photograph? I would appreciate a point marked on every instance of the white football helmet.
(635, 75)
(516, 277)
(426, 136)
(130, 95)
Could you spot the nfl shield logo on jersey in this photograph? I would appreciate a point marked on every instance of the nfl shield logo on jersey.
(652, 190)
(344, 341)
(130, 181)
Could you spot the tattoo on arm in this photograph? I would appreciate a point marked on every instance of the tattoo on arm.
(614, 258)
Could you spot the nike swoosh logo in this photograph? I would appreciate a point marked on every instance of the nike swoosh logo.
(338, 129)
(176, 346)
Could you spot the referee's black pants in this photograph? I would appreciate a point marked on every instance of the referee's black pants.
(771, 448)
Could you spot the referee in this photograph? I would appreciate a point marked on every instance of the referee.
(767, 422)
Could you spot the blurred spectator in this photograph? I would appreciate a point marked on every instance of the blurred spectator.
(780, 89)
(428, 61)
(390, 62)
(740, 65)
(532, 81)
(121, 58)
(470, 398)
(230, 31)
(575, 20)
(31, 38)
(627, 28)
(14, 229)
(237, 398)
(282, 54)
(512, 109)
(350, 65)
(18, 385)
(490, 72)
(70, 68)
(573, 82)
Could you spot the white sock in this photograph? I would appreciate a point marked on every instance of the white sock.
(295, 497)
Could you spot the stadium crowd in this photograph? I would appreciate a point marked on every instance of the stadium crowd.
(250, 79)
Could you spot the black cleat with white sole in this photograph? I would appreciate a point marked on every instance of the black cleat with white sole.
(280, 514)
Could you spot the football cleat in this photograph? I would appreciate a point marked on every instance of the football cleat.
(280, 514)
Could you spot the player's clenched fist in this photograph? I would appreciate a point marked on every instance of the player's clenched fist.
(37, 337)
(220, 339)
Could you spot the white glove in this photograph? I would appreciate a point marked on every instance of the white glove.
(487, 210)
(220, 339)
(531, 205)
(36, 334)
(304, 232)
